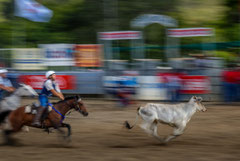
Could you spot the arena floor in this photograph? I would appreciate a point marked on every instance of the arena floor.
(213, 135)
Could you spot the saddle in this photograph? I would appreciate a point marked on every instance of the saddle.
(32, 109)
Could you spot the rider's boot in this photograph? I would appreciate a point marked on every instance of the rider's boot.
(37, 119)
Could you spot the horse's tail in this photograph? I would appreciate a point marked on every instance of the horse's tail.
(127, 125)
(3, 115)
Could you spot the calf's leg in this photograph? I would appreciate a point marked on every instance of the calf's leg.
(176, 132)
(151, 128)
(146, 127)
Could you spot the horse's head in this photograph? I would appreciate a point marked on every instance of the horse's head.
(79, 106)
(26, 90)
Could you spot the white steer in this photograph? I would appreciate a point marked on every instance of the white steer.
(176, 116)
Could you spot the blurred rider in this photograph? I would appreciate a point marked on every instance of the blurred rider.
(50, 87)
(5, 84)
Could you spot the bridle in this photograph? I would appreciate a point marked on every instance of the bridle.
(76, 106)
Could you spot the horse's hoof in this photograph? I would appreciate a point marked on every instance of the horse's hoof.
(25, 129)
(48, 130)
(37, 124)
(67, 139)
(164, 142)
(10, 143)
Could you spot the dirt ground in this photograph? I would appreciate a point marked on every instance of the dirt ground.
(213, 135)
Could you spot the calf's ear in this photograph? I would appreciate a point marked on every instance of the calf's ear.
(199, 99)
(193, 97)
(21, 84)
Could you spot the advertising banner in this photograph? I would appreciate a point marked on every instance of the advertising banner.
(58, 54)
(28, 59)
(151, 88)
(118, 85)
(147, 87)
(66, 82)
(190, 32)
(195, 85)
(89, 55)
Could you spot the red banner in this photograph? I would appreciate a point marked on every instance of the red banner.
(195, 84)
(36, 81)
(189, 84)
(120, 35)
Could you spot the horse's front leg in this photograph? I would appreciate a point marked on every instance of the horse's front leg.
(59, 127)
(56, 125)
(68, 127)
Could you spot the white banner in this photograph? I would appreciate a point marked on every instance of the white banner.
(32, 11)
(28, 59)
(147, 19)
(190, 32)
(58, 54)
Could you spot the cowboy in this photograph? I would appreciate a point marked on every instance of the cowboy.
(50, 87)
(5, 84)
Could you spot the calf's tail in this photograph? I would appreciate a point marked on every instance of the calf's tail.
(127, 125)
(3, 115)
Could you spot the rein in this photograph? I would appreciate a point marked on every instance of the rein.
(63, 117)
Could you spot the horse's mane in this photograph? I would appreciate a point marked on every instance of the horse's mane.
(66, 99)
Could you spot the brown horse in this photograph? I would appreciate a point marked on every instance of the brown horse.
(18, 118)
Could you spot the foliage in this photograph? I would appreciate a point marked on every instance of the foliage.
(228, 56)
(78, 21)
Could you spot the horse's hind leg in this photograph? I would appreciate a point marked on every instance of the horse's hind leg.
(7, 136)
